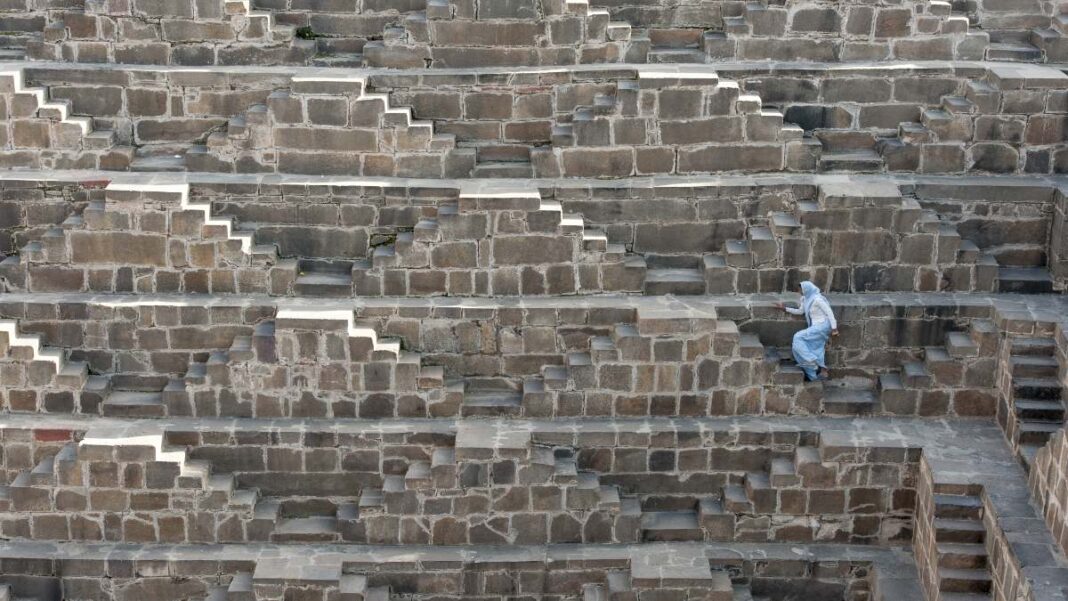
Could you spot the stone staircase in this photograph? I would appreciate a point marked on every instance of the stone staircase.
(65, 481)
(1037, 411)
(512, 472)
(43, 133)
(376, 364)
(334, 121)
(488, 241)
(1014, 263)
(122, 227)
(697, 119)
(452, 34)
(42, 366)
(963, 569)
(228, 32)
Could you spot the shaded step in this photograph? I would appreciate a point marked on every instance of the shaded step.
(840, 400)
(1025, 280)
(1013, 51)
(158, 162)
(967, 556)
(308, 529)
(958, 507)
(670, 526)
(676, 55)
(353, 60)
(492, 402)
(951, 530)
(852, 160)
(1033, 347)
(674, 281)
(1042, 410)
(964, 581)
(1034, 367)
(129, 403)
(320, 278)
(1036, 433)
(503, 169)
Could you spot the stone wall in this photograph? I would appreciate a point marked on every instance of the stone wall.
(581, 122)
(1047, 472)
(530, 488)
(456, 34)
(439, 241)
(1059, 237)
(593, 362)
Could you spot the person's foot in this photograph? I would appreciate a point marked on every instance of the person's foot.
(823, 374)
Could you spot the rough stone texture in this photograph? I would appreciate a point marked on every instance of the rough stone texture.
(361, 300)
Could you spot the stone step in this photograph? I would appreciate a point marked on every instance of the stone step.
(967, 556)
(565, 470)
(603, 349)
(914, 375)
(73, 374)
(352, 587)
(959, 345)
(240, 588)
(131, 403)
(1047, 389)
(306, 530)
(854, 160)
(1027, 454)
(844, 140)
(1013, 51)
(173, 162)
(949, 530)
(44, 473)
(671, 526)
(674, 281)
(1035, 432)
(503, 170)
(371, 501)
(1033, 347)
(784, 224)
(735, 499)
(958, 507)
(676, 55)
(352, 60)
(1039, 410)
(1025, 280)
(324, 279)
(418, 476)
(492, 403)
(1034, 367)
(782, 473)
(964, 581)
(838, 400)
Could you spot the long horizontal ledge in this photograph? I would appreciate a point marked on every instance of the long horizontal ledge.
(1012, 184)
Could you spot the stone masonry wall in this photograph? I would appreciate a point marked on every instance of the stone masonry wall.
(733, 239)
(161, 349)
(583, 125)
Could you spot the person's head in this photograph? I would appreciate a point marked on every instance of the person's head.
(808, 288)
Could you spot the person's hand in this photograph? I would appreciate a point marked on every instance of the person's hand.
(781, 306)
(834, 332)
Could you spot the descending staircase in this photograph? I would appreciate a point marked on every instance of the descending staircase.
(77, 141)
(963, 568)
(288, 120)
(1037, 403)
